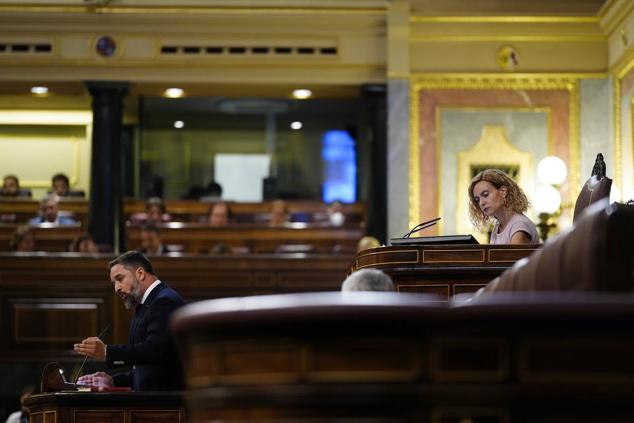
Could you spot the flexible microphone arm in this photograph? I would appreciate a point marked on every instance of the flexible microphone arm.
(103, 332)
(421, 226)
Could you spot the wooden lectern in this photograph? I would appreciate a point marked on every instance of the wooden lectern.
(110, 407)
(444, 270)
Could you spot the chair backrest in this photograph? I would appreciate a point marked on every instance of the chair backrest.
(596, 254)
(595, 188)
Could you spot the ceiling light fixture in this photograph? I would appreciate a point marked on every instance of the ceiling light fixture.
(178, 124)
(302, 93)
(174, 92)
(296, 125)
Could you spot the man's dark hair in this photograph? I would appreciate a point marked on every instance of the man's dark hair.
(132, 260)
(60, 177)
(11, 176)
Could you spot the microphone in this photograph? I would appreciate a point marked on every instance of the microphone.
(103, 332)
(421, 226)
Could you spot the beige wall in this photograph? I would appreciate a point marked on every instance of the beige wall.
(36, 145)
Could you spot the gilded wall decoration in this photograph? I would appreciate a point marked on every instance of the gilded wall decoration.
(508, 94)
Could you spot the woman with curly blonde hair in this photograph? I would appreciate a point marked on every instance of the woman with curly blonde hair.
(493, 195)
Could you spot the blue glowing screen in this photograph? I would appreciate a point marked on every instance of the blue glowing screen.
(340, 167)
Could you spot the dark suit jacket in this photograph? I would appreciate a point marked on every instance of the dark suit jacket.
(150, 349)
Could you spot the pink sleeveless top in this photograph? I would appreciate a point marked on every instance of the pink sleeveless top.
(518, 222)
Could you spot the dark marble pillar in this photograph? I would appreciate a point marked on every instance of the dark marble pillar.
(374, 115)
(106, 187)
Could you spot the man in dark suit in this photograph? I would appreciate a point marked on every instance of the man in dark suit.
(151, 244)
(156, 366)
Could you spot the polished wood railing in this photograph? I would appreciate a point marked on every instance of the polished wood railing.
(197, 238)
(444, 270)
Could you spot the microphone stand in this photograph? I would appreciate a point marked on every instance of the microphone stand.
(421, 226)
(103, 332)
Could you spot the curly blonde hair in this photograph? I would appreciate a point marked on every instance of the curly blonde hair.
(514, 200)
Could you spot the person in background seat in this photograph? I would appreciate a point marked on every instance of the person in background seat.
(11, 187)
(49, 213)
(219, 215)
(279, 214)
(23, 239)
(84, 244)
(61, 186)
(155, 213)
(494, 196)
(368, 280)
(151, 244)
(367, 242)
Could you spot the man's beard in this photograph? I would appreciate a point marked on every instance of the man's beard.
(134, 298)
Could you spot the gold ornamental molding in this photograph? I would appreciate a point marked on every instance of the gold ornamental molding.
(193, 10)
(558, 81)
(619, 71)
(503, 19)
(611, 17)
(509, 38)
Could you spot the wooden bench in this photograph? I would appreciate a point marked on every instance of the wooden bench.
(47, 237)
(20, 210)
(197, 211)
(197, 238)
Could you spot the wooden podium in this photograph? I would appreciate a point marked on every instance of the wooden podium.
(111, 407)
(444, 270)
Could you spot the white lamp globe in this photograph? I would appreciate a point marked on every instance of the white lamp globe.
(552, 171)
(547, 199)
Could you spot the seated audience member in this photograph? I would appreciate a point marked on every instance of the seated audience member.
(494, 196)
(212, 192)
(49, 213)
(279, 215)
(11, 187)
(336, 217)
(221, 248)
(219, 215)
(23, 239)
(368, 280)
(21, 416)
(367, 242)
(154, 214)
(151, 244)
(61, 187)
(84, 244)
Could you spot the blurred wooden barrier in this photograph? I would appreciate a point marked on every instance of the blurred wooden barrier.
(49, 301)
(47, 238)
(197, 238)
(197, 211)
(444, 270)
(20, 210)
(382, 357)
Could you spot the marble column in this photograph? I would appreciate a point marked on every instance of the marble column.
(106, 187)
(398, 157)
(374, 130)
